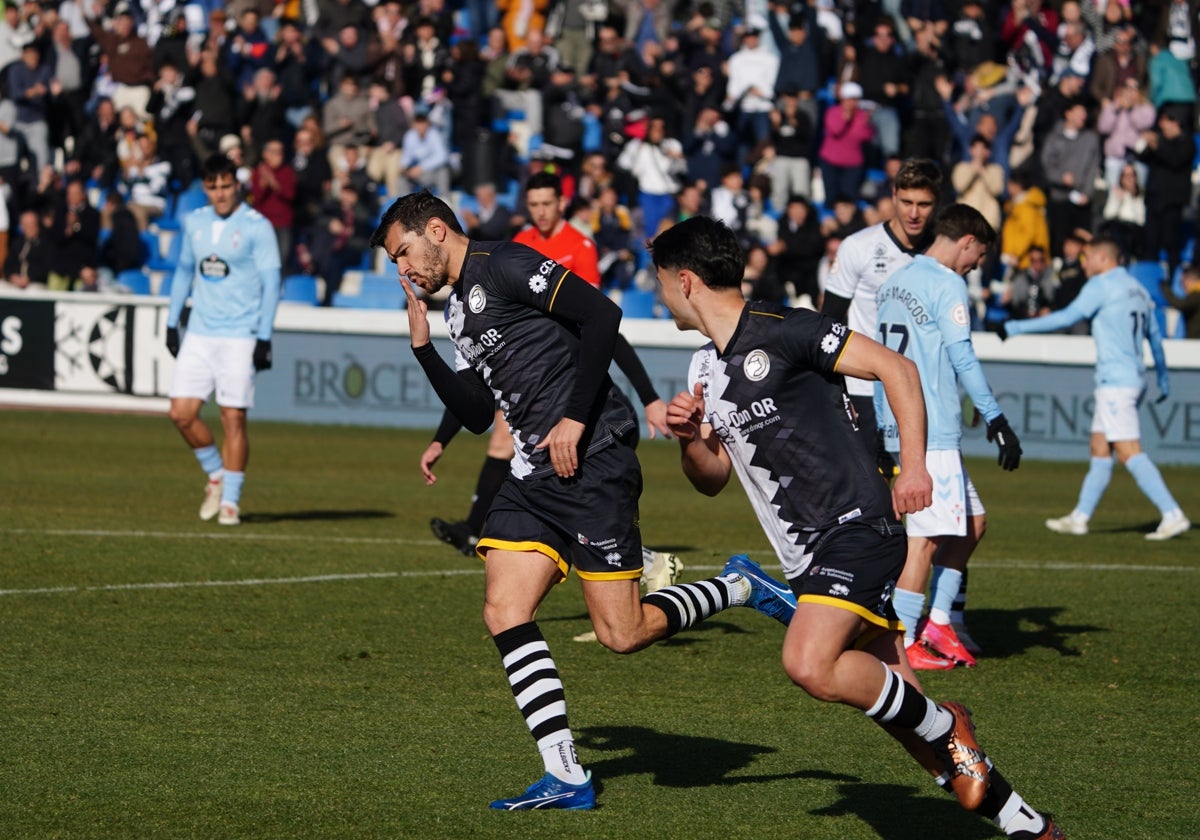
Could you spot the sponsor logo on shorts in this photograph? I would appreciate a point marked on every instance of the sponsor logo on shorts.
(613, 558)
(839, 589)
(582, 539)
(846, 517)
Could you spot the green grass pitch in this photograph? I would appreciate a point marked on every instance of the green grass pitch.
(323, 671)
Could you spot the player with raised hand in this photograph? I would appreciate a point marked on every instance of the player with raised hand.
(535, 339)
(229, 264)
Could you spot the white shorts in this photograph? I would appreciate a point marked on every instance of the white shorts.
(954, 498)
(1116, 413)
(207, 364)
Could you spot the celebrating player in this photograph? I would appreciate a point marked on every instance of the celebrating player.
(534, 338)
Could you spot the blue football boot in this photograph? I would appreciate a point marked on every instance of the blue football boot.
(767, 595)
(552, 792)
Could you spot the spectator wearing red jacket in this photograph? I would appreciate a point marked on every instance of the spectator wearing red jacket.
(273, 193)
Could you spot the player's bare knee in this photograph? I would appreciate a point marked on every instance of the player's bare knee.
(619, 640)
(814, 677)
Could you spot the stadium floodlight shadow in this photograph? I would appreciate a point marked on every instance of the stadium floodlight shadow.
(1004, 633)
(878, 805)
(267, 518)
(682, 761)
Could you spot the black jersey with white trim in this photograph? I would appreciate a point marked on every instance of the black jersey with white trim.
(780, 408)
(500, 316)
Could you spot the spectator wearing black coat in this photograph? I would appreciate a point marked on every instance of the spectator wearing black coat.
(1168, 152)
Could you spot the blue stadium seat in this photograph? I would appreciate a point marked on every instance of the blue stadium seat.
(156, 260)
(135, 281)
(192, 197)
(300, 288)
(636, 303)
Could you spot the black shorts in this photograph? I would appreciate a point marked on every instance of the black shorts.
(589, 521)
(855, 567)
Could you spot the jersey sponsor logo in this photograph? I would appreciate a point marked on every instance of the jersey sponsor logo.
(214, 266)
(829, 343)
(764, 411)
(846, 517)
(959, 315)
(537, 284)
(546, 267)
(476, 299)
(757, 365)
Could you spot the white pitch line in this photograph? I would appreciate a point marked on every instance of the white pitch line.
(222, 535)
(114, 587)
(332, 578)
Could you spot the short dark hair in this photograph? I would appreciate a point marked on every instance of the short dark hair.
(959, 220)
(215, 166)
(1108, 243)
(919, 174)
(704, 246)
(544, 180)
(413, 212)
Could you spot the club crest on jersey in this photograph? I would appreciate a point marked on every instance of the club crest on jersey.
(537, 284)
(476, 299)
(757, 365)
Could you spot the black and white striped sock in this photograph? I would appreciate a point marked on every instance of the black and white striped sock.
(686, 604)
(539, 694)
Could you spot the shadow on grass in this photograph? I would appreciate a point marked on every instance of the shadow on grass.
(1004, 633)
(314, 516)
(681, 761)
(1127, 529)
(897, 812)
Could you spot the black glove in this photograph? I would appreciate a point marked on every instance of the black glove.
(1003, 333)
(173, 340)
(262, 355)
(1010, 448)
(883, 459)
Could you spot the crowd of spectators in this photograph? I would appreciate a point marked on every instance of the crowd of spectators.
(784, 119)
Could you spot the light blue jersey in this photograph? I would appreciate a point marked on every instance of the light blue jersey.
(924, 315)
(231, 268)
(1122, 316)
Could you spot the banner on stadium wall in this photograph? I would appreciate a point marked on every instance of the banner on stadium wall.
(356, 368)
(84, 344)
(26, 344)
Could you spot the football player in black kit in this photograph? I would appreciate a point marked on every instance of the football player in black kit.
(767, 399)
(536, 340)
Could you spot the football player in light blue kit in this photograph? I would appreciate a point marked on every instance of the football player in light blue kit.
(1122, 316)
(229, 262)
(924, 314)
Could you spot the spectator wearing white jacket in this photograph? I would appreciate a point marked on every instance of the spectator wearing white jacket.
(656, 163)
